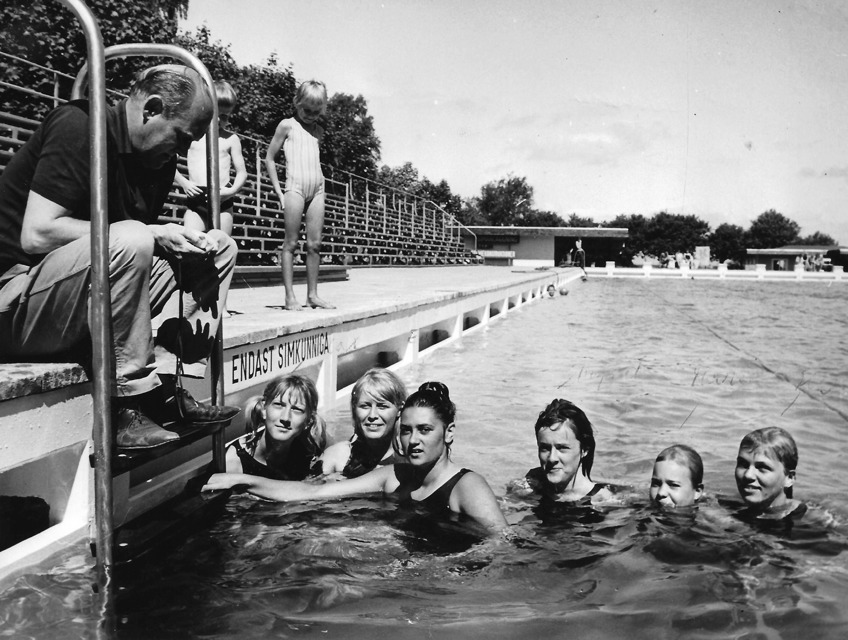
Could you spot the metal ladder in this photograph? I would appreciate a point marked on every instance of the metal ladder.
(93, 74)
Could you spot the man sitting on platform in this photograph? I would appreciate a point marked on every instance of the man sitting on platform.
(45, 255)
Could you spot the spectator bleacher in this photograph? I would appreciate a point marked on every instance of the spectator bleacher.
(366, 224)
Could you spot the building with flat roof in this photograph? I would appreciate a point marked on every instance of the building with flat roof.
(545, 246)
(786, 257)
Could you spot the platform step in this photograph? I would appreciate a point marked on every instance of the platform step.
(127, 460)
(161, 528)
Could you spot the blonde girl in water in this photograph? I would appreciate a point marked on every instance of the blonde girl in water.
(299, 138)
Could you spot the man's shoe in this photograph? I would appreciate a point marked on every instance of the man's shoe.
(182, 407)
(136, 431)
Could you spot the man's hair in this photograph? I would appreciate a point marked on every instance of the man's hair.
(175, 84)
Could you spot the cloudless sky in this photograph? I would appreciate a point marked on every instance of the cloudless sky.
(718, 108)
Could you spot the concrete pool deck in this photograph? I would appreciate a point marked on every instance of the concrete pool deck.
(367, 293)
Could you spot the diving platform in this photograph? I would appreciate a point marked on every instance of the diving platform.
(384, 316)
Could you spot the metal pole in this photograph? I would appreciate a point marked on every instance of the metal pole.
(101, 310)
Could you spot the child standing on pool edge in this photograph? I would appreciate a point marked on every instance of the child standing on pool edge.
(304, 190)
(197, 215)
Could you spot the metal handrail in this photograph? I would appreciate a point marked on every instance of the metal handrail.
(100, 305)
(97, 93)
(213, 193)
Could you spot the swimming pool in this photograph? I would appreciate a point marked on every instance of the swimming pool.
(651, 362)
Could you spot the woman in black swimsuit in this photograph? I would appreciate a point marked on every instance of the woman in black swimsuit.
(285, 431)
(426, 476)
(566, 445)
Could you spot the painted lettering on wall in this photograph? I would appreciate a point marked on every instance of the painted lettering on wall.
(276, 358)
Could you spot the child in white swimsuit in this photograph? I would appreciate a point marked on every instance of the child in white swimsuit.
(304, 190)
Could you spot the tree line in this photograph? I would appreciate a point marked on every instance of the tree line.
(45, 32)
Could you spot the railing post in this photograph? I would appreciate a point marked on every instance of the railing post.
(347, 205)
(258, 207)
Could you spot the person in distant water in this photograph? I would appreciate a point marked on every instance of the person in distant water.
(375, 404)
(580, 256)
(299, 138)
(566, 447)
(45, 254)
(678, 477)
(765, 474)
(551, 291)
(427, 477)
(286, 432)
(197, 215)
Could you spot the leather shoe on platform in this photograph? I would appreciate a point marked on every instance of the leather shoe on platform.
(182, 407)
(136, 431)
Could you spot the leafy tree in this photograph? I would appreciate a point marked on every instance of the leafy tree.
(674, 232)
(506, 201)
(470, 214)
(637, 234)
(403, 178)
(536, 218)
(47, 33)
(215, 55)
(579, 221)
(350, 142)
(771, 230)
(817, 239)
(441, 195)
(727, 242)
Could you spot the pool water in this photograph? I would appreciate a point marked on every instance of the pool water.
(651, 362)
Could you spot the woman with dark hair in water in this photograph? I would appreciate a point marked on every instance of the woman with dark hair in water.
(426, 477)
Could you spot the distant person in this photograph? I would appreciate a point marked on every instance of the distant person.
(678, 477)
(566, 447)
(375, 404)
(580, 257)
(197, 215)
(299, 138)
(286, 433)
(426, 478)
(45, 254)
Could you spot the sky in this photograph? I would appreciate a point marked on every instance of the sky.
(718, 108)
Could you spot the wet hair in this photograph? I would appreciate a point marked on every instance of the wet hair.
(316, 435)
(436, 397)
(311, 92)
(778, 444)
(561, 411)
(380, 383)
(226, 95)
(177, 86)
(686, 456)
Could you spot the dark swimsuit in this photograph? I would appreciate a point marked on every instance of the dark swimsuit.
(297, 464)
(439, 500)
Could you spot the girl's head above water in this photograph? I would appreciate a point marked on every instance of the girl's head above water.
(435, 397)
(678, 477)
(375, 385)
(765, 467)
(564, 414)
(299, 396)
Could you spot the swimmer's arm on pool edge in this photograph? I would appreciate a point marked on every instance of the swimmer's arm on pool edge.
(380, 479)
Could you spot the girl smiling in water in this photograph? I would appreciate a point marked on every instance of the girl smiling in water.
(765, 473)
(426, 477)
(678, 477)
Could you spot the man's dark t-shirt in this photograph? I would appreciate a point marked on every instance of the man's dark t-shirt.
(54, 163)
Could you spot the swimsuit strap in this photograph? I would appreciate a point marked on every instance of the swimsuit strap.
(439, 500)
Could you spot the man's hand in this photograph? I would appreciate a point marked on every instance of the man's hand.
(179, 240)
